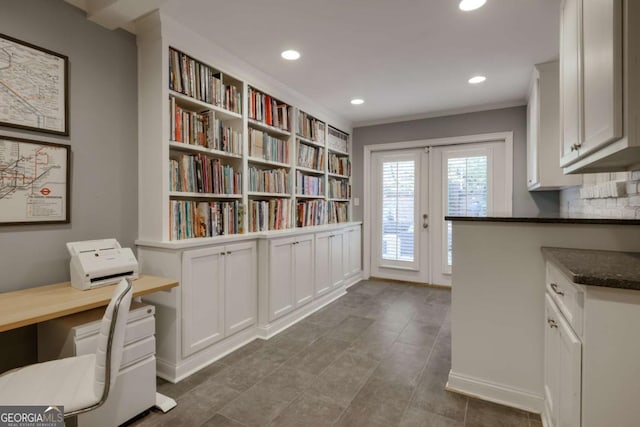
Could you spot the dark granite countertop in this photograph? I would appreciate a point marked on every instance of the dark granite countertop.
(609, 269)
(547, 219)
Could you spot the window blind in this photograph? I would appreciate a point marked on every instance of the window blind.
(466, 191)
(398, 214)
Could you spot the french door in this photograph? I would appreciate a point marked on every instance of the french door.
(399, 213)
(413, 190)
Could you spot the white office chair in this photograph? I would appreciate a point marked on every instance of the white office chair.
(80, 383)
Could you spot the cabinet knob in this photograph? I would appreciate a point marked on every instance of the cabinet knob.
(228, 252)
(554, 286)
(552, 323)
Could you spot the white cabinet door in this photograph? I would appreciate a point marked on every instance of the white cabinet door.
(602, 72)
(551, 345)
(533, 115)
(281, 284)
(346, 250)
(323, 263)
(303, 269)
(241, 287)
(202, 293)
(563, 370)
(569, 376)
(570, 81)
(355, 249)
(337, 260)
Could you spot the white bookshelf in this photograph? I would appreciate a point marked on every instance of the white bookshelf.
(157, 145)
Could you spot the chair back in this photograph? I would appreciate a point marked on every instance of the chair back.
(111, 339)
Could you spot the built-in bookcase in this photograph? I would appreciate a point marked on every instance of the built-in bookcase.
(235, 158)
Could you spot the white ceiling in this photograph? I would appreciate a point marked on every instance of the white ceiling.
(406, 58)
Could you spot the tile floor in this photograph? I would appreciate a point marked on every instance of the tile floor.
(378, 356)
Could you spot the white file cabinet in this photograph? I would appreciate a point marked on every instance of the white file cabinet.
(135, 389)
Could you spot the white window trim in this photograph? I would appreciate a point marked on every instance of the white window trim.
(506, 137)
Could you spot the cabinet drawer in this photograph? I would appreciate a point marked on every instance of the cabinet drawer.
(568, 296)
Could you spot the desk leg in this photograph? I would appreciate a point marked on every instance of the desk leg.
(164, 403)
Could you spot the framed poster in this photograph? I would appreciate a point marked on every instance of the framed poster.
(34, 181)
(33, 87)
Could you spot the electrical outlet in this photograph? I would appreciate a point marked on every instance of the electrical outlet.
(356, 201)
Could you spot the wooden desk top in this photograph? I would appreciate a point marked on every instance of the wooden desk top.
(42, 303)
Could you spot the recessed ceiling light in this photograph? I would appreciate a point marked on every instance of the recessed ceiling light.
(290, 55)
(477, 79)
(357, 101)
(468, 5)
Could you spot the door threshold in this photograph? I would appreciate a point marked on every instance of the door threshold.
(409, 283)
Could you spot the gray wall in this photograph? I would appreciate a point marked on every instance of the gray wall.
(507, 119)
(103, 139)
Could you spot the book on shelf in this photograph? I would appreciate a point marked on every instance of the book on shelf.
(310, 157)
(339, 189)
(202, 129)
(340, 165)
(311, 212)
(269, 180)
(310, 127)
(337, 140)
(338, 212)
(190, 219)
(309, 185)
(268, 110)
(202, 82)
(265, 215)
(264, 146)
(198, 173)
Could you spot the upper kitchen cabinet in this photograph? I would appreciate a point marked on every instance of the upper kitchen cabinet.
(543, 132)
(600, 85)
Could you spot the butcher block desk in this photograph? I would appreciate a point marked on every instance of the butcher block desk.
(42, 303)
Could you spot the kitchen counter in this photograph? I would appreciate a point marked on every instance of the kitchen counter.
(548, 219)
(609, 269)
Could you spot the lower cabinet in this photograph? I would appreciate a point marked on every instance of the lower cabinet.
(592, 348)
(330, 261)
(218, 291)
(353, 250)
(290, 274)
(562, 370)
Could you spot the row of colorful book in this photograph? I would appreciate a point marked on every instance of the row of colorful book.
(310, 157)
(339, 189)
(191, 219)
(309, 185)
(203, 129)
(274, 214)
(264, 146)
(269, 180)
(268, 110)
(199, 81)
(310, 127)
(201, 174)
(340, 165)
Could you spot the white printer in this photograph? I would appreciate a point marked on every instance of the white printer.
(96, 263)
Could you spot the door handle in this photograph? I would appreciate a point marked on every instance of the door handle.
(425, 222)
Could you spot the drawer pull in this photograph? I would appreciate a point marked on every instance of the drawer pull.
(555, 289)
(552, 323)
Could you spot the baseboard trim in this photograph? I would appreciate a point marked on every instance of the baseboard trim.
(497, 393)
(275, 327)
(408, 282)
(205, 357)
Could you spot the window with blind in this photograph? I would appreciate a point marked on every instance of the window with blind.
(398, 210)
(467, 191)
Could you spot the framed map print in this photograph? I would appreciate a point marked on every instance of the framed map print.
(33, 87)
(34, 181)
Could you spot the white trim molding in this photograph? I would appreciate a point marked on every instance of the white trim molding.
(497, 393)
(506, 137)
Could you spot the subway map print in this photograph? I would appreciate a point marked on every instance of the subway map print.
(32, 87)
(33, 181)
